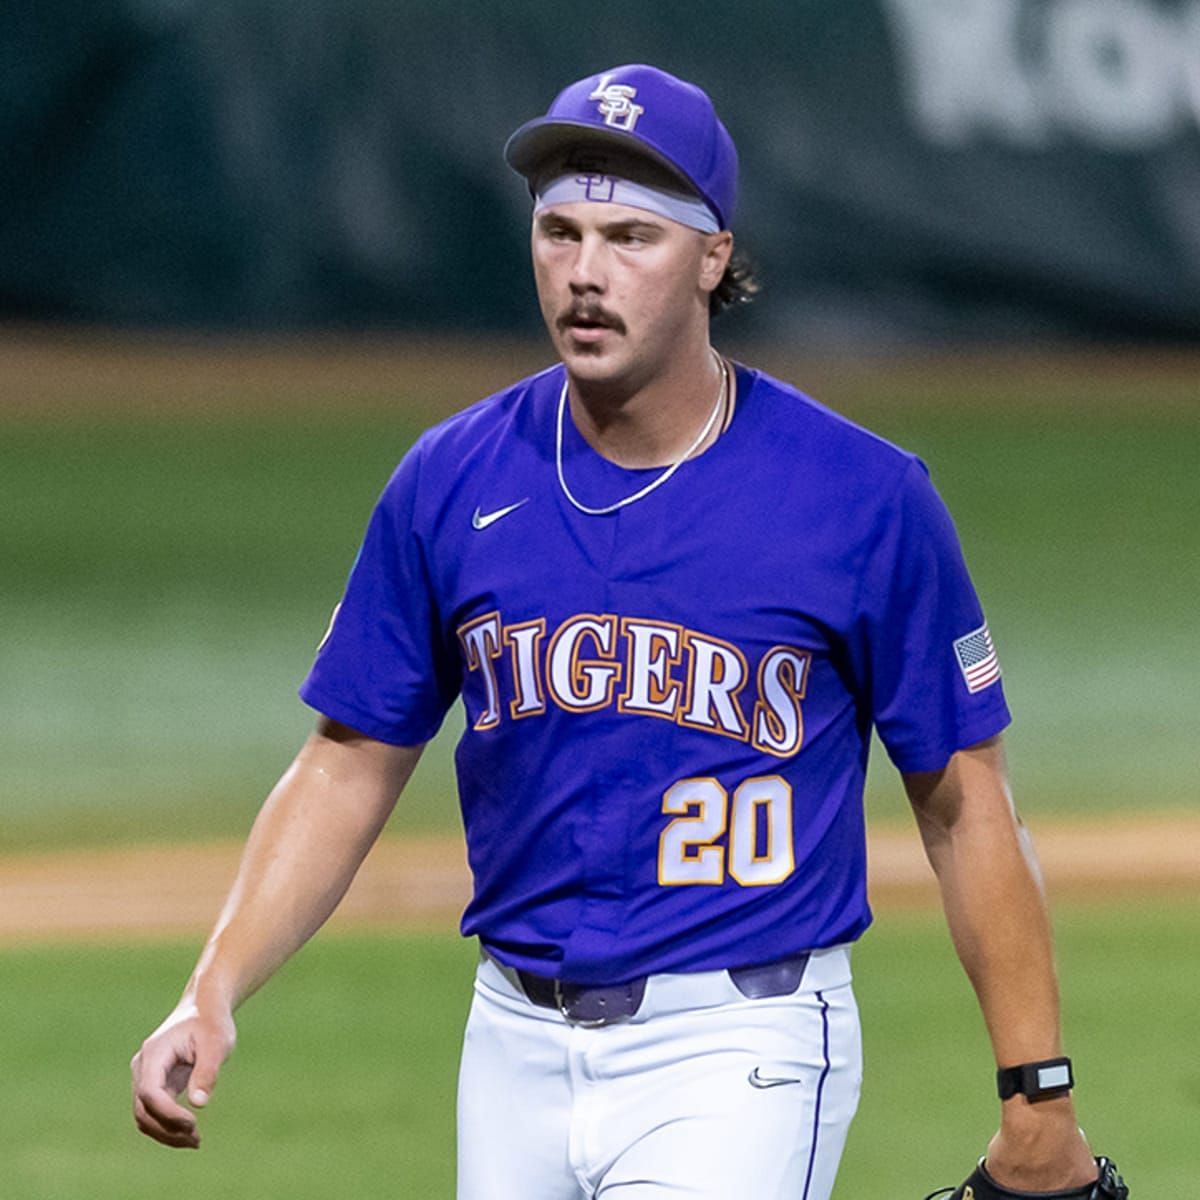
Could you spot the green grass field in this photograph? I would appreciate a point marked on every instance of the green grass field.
(343, 1079)
(166, 581)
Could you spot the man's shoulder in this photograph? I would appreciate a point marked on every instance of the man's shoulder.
(482, 421)
(498, 432)
(806, 426)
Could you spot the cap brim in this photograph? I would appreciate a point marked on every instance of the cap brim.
(540, 139)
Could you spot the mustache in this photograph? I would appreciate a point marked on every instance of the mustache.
(582, 311)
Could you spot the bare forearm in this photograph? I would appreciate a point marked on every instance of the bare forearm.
(308, 841)
(992, 894)
(997, 916)
(311, 836)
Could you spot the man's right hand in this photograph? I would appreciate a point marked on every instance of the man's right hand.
(310, 838)
(183, 1055)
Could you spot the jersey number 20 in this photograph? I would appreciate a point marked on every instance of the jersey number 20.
(759, 821)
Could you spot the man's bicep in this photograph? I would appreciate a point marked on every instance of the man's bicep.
(974, 779)
(338, 731)
(388, 667)
(917, 607)
(354, 757)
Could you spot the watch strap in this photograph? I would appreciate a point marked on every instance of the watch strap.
(1036, 1080)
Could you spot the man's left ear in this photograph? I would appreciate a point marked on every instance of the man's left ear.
(716, 259)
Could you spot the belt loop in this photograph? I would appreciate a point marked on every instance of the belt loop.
(774, 979)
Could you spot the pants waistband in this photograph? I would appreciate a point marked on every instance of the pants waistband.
(598, 1005)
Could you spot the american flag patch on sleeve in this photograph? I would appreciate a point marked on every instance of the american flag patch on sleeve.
(977, 659)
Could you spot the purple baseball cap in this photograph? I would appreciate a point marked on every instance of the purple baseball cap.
(642, 110)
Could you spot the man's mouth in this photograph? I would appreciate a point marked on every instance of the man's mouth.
(590, 321)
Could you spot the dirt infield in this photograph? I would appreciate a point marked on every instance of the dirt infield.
(167, 891)
(55, 373)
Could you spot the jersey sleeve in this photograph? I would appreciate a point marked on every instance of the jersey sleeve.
(384, 667)
(930, 666)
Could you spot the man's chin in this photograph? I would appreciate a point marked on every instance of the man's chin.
(601, 373)
(588, 360)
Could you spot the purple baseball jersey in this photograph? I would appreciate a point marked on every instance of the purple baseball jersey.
(668, 707)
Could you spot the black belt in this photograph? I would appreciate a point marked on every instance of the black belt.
(598, 1004)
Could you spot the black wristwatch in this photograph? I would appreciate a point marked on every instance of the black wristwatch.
(1037, 1080)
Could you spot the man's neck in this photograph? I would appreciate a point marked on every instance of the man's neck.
(651, 422)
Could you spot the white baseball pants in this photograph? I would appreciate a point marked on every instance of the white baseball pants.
(703, 1094)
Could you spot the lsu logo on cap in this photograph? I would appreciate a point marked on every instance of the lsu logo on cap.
(616, 104)
(598, 188)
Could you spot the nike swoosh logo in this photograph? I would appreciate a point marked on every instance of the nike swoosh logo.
(480, 520)
(764, 1081)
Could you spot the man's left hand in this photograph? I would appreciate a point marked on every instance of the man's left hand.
(1040, 1147)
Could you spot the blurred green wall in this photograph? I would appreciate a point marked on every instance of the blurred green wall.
(983, 169)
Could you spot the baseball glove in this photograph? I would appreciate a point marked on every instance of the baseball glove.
(979, 1185)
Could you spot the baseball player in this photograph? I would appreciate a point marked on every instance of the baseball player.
(674, 595)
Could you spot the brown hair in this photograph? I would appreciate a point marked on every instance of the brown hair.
(737, 287)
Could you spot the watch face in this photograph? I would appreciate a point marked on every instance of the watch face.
(1052, 1078)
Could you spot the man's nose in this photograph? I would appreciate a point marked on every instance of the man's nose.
(588, 270)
